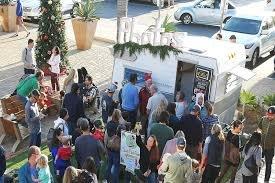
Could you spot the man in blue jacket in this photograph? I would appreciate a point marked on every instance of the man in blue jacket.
(130, 99)
(19, 18)
(29, 169)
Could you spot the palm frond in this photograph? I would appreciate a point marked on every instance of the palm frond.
(269, 100)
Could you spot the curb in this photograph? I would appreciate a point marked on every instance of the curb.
(106, 40)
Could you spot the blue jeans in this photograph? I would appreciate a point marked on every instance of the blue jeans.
(112, 173)
(35, 139)
(23, 99)
(2, 179)
(152, 178)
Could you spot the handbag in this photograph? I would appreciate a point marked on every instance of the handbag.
(113, 143)
(251, 165)
(232, 153)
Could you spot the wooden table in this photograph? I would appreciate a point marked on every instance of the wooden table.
(11, 128)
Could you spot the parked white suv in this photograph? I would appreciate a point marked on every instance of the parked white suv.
(256, 33)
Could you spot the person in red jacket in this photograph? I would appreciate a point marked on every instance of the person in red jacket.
(144, 95)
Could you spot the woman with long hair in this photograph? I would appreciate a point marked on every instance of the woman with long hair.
(71, 174)
(155, 114)
(54, 62)
(112, 142)
(254, 149)
(90, 166)
(69, 81)
(213, 151)
(150, 158)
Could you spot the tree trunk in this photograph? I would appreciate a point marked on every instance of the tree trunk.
(122, 9)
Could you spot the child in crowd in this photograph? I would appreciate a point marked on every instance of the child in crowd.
(64, 154)
(44, 175)
(45, 104)
(98, 132)
(196, 177)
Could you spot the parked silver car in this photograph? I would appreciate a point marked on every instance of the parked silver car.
(31, 8)
(204, 12)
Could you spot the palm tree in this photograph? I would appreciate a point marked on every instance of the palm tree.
(269, 100)
(122, 10)
(247, 98)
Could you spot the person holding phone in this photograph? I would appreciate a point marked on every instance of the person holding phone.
(150, 158)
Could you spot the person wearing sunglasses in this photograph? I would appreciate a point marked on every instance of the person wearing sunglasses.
(33, 118)
(29, 169)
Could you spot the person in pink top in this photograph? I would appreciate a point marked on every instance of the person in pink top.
(54, 62)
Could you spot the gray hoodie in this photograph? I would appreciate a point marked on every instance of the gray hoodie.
(256, 151)
(177, 168)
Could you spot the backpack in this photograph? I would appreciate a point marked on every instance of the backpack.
(50, 135)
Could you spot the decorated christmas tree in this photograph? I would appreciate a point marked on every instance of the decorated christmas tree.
(51, 32)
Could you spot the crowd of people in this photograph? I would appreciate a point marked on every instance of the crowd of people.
(184, 141)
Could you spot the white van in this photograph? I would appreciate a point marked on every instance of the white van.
(255, 32)
(209, 66)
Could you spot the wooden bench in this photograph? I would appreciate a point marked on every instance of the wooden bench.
(11, 128)
(13, 106)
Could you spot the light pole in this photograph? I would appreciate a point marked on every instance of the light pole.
(160, 4)
(224, 6)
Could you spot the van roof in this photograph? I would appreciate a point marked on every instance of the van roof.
(224, 54)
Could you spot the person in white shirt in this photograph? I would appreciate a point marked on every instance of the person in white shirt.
(61, 121)
(153, 102)
(54, 62)
(181, 105)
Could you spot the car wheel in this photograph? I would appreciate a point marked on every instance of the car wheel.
(272, 52)
(73, 10)
(255, 58)
(186, 18)
(226, 19)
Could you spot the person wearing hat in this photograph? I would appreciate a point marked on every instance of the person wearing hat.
(144, 95)
(191, 125)
(107, 103)
(267, 126)
(177, 168)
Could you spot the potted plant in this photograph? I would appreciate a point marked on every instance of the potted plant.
(84, 24)
(8, 15)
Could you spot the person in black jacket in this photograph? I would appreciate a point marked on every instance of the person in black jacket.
(150, 157)
(213, 152)
(74, 104)
(191, 125)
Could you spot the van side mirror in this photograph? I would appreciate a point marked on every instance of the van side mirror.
(264, 29)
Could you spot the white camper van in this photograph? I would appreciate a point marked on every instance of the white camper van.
(209, 66)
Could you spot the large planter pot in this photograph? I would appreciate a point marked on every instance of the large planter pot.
(84, 33)
(8, 17)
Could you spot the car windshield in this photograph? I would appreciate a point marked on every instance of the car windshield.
(242, 25)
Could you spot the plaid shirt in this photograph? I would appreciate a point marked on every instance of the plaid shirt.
(207, 123)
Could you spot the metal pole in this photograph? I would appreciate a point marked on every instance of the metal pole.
(223, 11)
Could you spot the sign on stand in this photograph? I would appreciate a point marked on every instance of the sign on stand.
(129, 151)
(202, 81)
